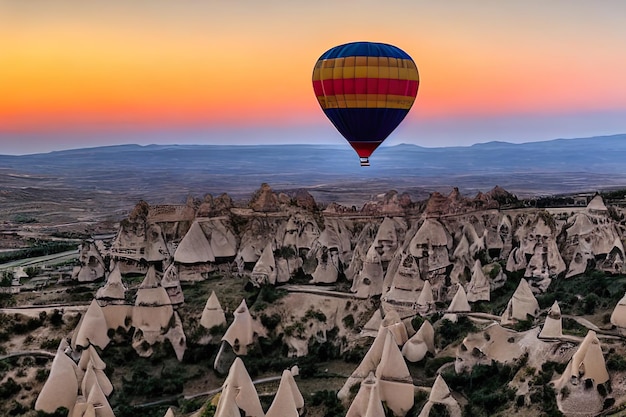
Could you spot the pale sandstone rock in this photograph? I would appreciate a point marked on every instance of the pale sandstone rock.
(195, 247)
(394, 379)
(114, 290)
(92, 265)
(367, 402)
(93, 377)
(61, 387)
(92, 328)
(426, 300)
(393, 323)
(118, 316)
(479, 288)
(494, 343)
(440, 394)
(327, 270)
(213, 314)
(368, 364)
(521, 305)
(284, 403)
(406, 283)
(459, 304)
(264, 271)
(222, 240)
(587, 363)
(171, 283)
(373, 324)
(238, 393)
(431, 238)
(422, 342)
(176, 336)
(553, 326)
(369, 281)
(153, 311)
(240, 334)
(336, 234)
(99, 401)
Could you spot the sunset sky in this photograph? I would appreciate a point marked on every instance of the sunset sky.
(77, 73)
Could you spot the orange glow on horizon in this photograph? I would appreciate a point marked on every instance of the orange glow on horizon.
(108, 63)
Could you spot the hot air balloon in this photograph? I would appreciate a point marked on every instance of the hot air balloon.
(365, 89)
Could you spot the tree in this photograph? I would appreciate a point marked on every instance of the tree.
(7, 279)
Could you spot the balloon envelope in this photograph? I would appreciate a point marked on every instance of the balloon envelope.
(365, 89)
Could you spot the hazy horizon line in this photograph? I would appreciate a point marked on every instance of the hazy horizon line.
(325, 144)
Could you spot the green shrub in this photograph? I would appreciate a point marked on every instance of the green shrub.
(51, 344)
(616, 362)
(316, 315)
(9, 388)
(270, 322)
(433, 364)
(328, 399)
(59, 412)
(450, 332)
(208, 410)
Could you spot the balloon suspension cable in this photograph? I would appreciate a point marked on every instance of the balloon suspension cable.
(365, 162)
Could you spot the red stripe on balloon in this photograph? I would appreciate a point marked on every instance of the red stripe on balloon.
(365, 86)
(365, 149)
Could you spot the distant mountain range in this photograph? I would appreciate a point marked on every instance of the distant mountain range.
(166, 172)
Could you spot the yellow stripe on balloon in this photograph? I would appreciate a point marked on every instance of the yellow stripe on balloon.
(328, 71)
(367, 101)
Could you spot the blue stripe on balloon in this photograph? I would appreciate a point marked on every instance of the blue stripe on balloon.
(365, 49)
(366, 125)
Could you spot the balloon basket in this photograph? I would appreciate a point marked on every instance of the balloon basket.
(365, 162)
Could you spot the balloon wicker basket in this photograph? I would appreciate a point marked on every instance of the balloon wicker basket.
(365, 162)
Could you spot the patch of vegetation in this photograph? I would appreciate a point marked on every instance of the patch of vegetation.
(7, 300)
(572, 327)
(541, 393)
(295, 329)
(18, 324)
(32, 271)
(313, 314)
(22, 218)
(144, 383)
(348, 321)
(268, 355)
(486, 388)
(615, 362)
(268, 294)
(355, 355)
(38, 248)
(449, 332)
(9, 388)
(417, 322)
(587, 293)
(208, 410)
(59, 412)
(523, 325)
(270, 322)
(7, 279)
(328, 399)
(50, 344)
(431, 365)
